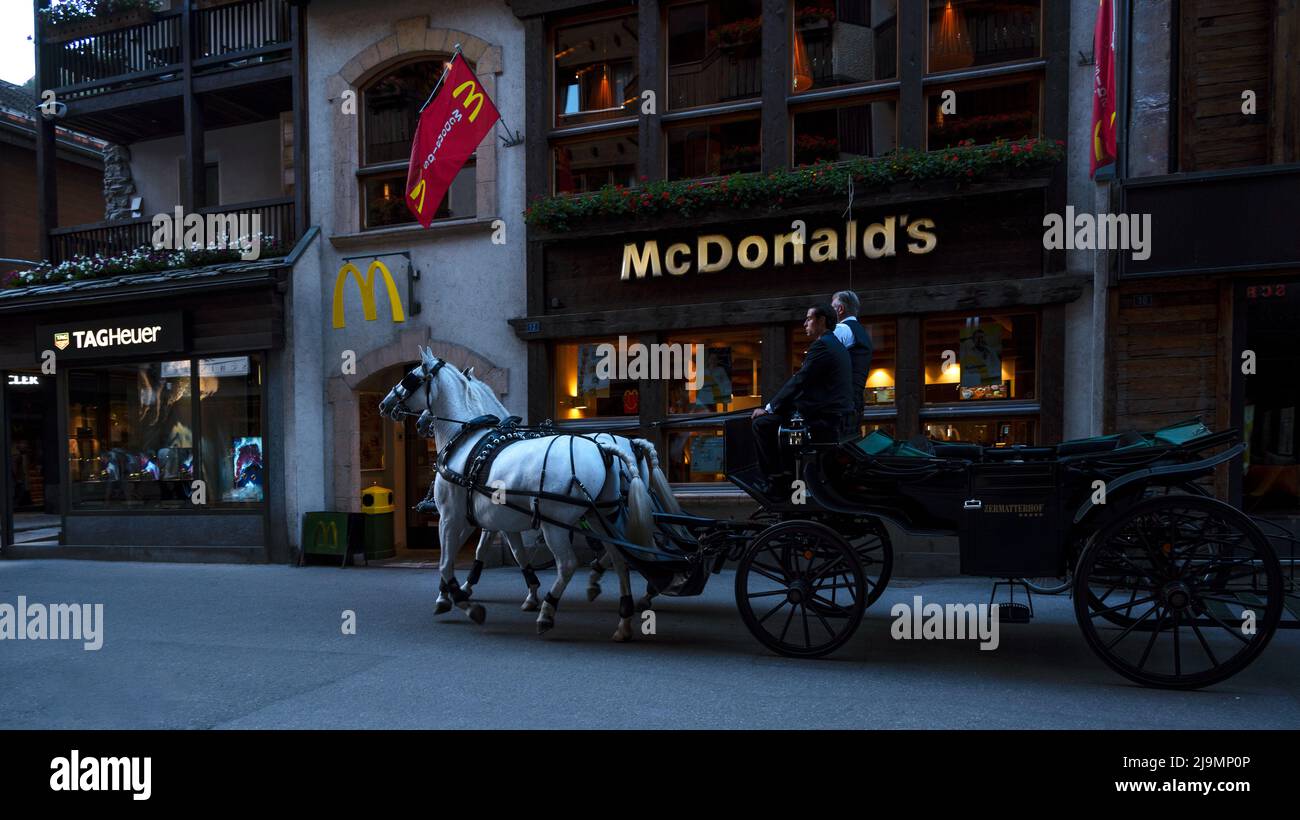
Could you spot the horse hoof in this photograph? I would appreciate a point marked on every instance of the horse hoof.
(593, 592)
(442, 607)
(530, 605)
(468, 590)
(544, 626)
(476, 613)
(622, 636)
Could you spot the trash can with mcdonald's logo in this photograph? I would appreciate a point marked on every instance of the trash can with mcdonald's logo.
(377, 511)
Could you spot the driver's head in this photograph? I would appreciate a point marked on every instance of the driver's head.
(819, 319)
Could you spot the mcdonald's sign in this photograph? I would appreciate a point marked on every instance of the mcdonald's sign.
(366, 285)
(325, 533)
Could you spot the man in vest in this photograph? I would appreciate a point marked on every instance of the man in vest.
(855, 337)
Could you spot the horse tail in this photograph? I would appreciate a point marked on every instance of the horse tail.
(654, 476)
(640, 508)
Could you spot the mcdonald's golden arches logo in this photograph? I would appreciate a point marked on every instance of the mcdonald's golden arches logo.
(474, 97)
(327, 534)
(366, 285)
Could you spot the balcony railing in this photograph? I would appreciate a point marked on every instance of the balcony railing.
(276, 217)
(112, 58)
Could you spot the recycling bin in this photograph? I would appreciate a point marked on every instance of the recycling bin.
(377, 512)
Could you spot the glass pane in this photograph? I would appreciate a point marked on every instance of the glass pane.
(1272, 462)
(865, 129)
(714, 52)
(980, 358)
(230, 412)
(591, 164)
(879, 389)
(596, 71)
(392, 106)
(130, 442)
(583, 391)
(984, 114)
(988, 432)
(842, 43)
(730, 377)
(966, 33)
(696, 455)
(385, 200)
(708, 148)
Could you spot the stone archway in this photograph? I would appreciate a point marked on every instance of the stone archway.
(341, 393)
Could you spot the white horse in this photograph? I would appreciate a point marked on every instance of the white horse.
(639, 450)
(575, 473)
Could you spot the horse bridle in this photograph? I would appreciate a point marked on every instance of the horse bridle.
(409, 384)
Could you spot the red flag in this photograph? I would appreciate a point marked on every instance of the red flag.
(450, 128)
(1103, 88)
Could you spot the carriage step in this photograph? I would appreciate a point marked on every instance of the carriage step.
(1014, 613)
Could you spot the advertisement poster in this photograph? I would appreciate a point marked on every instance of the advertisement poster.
(247, 460)
(706, 454)
(371, 430)
(590, 386)
(981, 354)
(715, 382)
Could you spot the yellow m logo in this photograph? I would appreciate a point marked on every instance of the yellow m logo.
(367, 287)
(474, 97)
(327, 534)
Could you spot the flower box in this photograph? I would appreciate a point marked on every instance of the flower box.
(80, 28)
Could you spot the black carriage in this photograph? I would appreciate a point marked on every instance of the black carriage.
(1171, 588)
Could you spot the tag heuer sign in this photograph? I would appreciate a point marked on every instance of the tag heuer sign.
(113, 338)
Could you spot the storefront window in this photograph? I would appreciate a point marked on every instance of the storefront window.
(696, 455)
(131, 436)
(984, 114)
(988, 432)
(590, 164)
(230, 413)
(971, 359)
(385, 202)
(1272, 393)
(969, 33)
(714, 52)
(596, 74)
(842, 43)
(879, 389)
(584, 390)
(711, 148)
(132, 441)
(730, 377)
(844, 132)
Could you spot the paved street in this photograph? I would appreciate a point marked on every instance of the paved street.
(199, 646)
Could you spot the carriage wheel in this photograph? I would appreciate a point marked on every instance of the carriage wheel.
(1117, 616)
(1199, 586)
(801, 589)
(876, 552)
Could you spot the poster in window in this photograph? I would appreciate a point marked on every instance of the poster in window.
(715, 382)
(981, 354)
(249, 484)
(706, 454)
(371, 429)
(590, 385)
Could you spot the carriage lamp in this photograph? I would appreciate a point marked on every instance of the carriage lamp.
(793, 433)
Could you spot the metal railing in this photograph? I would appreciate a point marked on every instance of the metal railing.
(275, 217)
(105, 59)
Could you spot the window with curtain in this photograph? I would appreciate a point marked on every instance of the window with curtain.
(596, 73)
(714, 52)
(842, 42)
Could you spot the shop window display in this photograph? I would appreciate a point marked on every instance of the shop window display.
(879, 389)
(980, 358)
(731, 376)
(582, 391)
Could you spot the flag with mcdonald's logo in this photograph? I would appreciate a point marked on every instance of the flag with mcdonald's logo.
(1101, 147)
(451, 127)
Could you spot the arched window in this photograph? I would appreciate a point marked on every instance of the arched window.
(390, 106)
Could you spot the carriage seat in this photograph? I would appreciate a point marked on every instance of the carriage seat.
(1101, 444)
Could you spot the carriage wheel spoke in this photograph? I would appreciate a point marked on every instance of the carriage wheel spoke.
(768, 575)
(788, 619)
(773, 610)
(807, 638)
(1128, 606)
(827, 626)
(1130, 628)
(1178, 662)
(767, 593)
(1155, 633)
(1204, 643)
(1236, 633)
(836, 608)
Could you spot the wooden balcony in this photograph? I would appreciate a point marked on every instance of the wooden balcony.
(101, 57)
(108, 238)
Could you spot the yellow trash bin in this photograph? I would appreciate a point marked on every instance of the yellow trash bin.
(378, 511)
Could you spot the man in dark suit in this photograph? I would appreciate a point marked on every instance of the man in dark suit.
(822, 392)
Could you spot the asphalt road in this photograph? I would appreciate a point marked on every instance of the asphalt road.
(200, 646)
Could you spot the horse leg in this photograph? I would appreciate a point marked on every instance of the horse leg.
(557, 538)
(477, 570)
(598, 567)
(646, 601)
(520, 551)
(452, 531)
(625, 609)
